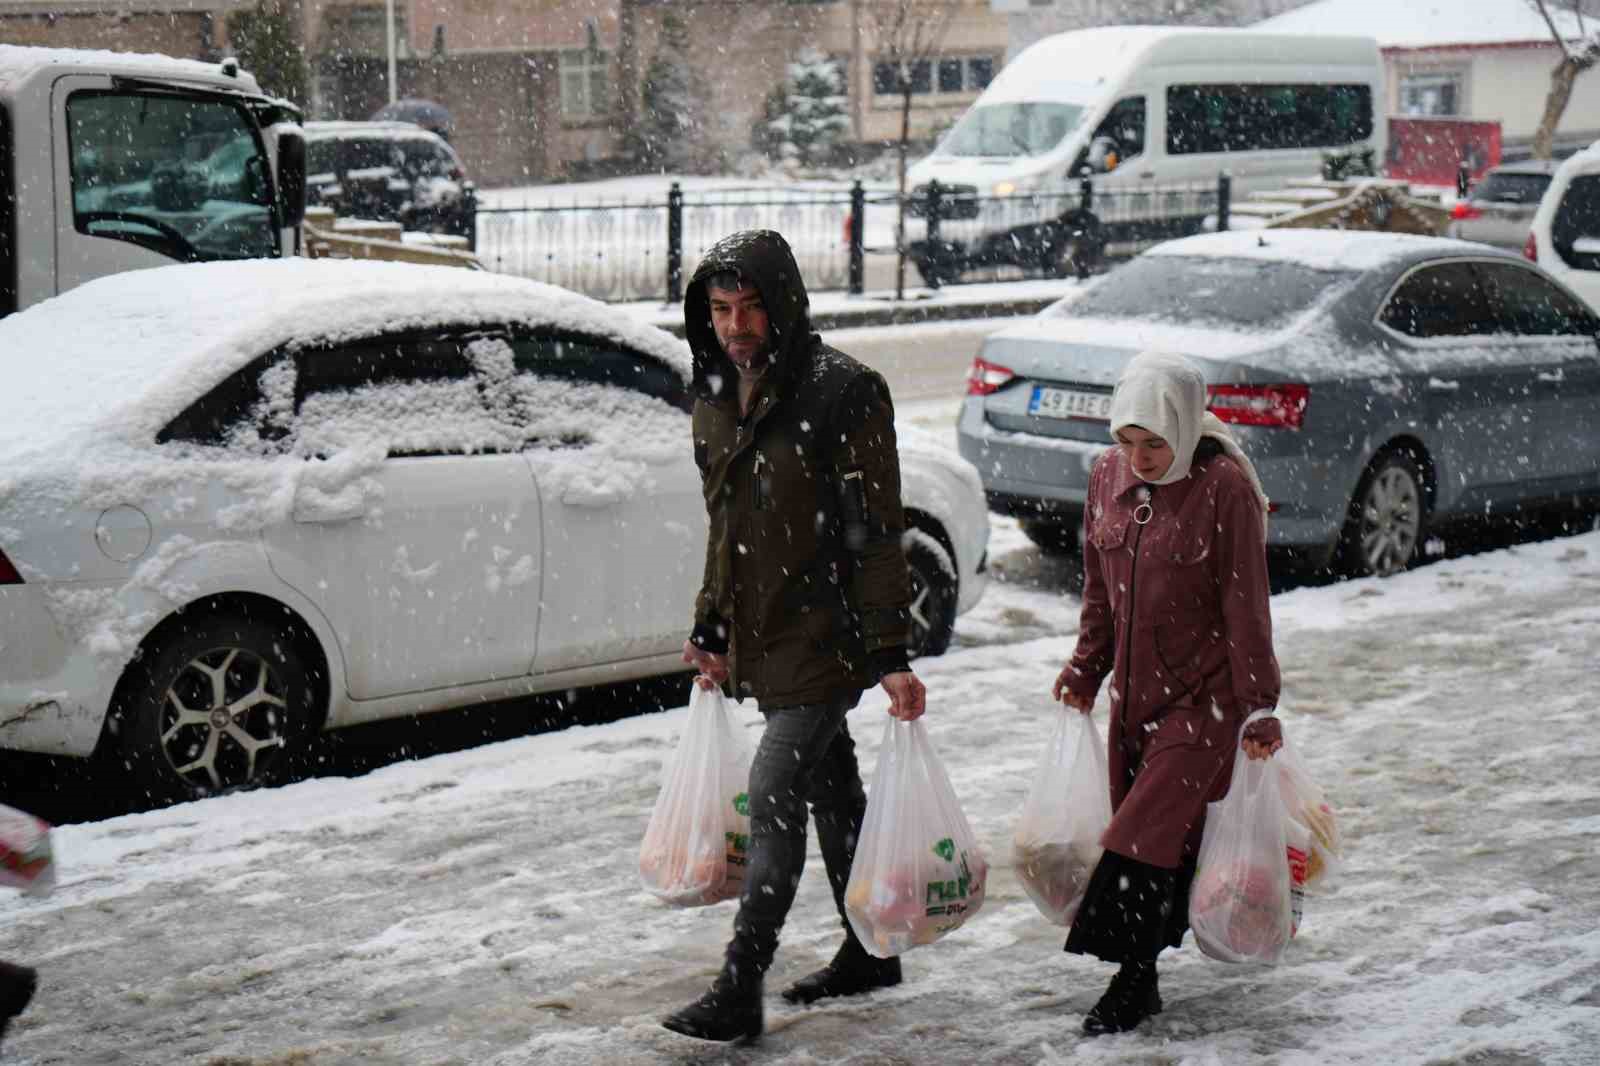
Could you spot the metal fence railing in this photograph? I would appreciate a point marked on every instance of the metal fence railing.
(642, 250)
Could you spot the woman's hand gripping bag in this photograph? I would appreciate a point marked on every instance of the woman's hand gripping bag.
(696, 846)
(1057, 843)
(1240, 907)
(27, 859)
(918, 873)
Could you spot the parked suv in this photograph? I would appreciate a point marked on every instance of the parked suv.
(1501, 206)
(394, 171)
(1565, 239)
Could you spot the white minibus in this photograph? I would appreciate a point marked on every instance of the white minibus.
(1153, 115)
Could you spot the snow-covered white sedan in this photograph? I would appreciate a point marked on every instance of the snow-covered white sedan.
(243, 502)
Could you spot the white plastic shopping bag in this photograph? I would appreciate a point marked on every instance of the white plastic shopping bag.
(696, 846)
(1240, 907)
(1307, 805)
(1057, 843)
(918, 873)
(27, 860)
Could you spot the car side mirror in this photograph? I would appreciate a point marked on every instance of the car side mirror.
(291, 176)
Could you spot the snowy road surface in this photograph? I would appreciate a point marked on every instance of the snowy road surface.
(483, 908)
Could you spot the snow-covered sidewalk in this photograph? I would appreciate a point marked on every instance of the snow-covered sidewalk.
(484, 908)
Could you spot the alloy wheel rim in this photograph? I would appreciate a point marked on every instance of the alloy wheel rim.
(921, 625)
(222, 718)
(1391, 519)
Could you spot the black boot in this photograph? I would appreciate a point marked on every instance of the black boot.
(851, 973)
(729, 1011)
(1131, 997)
(17, 984)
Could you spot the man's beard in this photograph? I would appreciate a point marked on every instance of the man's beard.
(758, 358)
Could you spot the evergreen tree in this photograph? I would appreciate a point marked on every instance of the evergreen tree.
(268, 46)
(814, 115)
(671, 131)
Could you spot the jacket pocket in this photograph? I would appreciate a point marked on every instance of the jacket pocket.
(1190, 652)
(1108, 534)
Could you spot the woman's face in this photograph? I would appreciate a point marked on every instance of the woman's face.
(1149, 455)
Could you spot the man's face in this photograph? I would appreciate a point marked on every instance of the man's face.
(741, 325)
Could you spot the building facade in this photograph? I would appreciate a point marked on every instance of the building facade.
(542, 90)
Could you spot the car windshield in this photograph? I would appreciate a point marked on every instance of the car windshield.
(1511, 188)
(1012, 129)
(1253, 294)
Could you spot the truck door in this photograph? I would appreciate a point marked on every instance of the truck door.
(148, 175)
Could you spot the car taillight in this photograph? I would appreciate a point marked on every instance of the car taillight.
(1464, 209)
(1278, 406)
(8, 573)
(986, 377)
(456, 173)
(1530, 249)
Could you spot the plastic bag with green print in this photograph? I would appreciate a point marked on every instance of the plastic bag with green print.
(695, 848)
(918, 873)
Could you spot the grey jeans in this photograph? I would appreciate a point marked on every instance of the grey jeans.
(805, 758)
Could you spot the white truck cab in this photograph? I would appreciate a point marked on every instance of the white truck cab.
(116, 161)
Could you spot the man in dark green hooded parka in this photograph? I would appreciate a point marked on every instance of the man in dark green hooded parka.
(805, 596)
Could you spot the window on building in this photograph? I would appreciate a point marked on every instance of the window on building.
(1430, 94)
(1244, 118)
(584, 84)
(949, 76)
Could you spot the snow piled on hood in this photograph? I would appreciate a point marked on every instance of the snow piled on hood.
(119, 357)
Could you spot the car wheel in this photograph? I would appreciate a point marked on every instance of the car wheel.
(933, 594)
(1387, 521)
(1052, 535)
(224, 704)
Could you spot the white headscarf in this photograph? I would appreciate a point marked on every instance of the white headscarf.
(1165, 394)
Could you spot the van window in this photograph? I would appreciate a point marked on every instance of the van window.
(1124, 125)
(1247, 118)
(185, 176)
(1012, 129)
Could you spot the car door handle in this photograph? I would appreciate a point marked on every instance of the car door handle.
(1147, 173)
(312, 505)
(592, 496)
(1552, 375)
(1439, 385)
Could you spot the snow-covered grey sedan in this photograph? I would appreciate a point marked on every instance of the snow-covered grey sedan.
(243, 502)
(1381, 383)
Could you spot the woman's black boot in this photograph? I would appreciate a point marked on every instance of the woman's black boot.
(730, 1010)
(1131, 997)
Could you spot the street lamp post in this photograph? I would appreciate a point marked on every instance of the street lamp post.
(388, 22)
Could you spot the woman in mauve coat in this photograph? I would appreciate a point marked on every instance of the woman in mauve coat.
(1175, 612)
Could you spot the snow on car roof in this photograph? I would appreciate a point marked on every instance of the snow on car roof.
(122, 355)
(392, 130)
(17, 61)
(1320, 249)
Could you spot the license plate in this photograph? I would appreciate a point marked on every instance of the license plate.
(1050, 402)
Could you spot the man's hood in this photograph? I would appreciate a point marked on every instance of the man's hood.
(762, 258)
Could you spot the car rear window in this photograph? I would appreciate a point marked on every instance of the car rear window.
(1578, 215)
(1254, 294)
(1511, 188)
